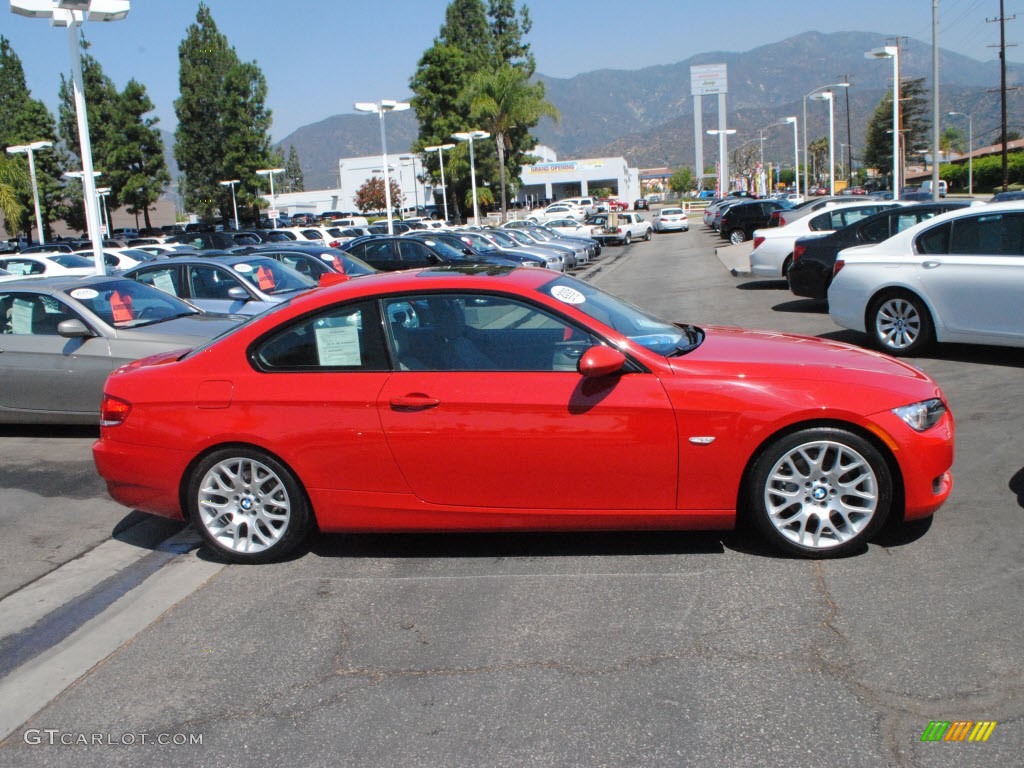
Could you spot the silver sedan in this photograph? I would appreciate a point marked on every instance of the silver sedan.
(60, 337)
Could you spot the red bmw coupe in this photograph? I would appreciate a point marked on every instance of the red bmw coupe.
(446, 400)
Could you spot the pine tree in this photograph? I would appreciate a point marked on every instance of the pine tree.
(293, 172)
(139, 172)
(915, 128)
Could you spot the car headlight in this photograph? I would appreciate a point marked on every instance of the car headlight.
(923, 415)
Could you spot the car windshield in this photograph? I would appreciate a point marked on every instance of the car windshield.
(503, 238)
(129, 304)
(271, 276)
(478, 242)
(641, 328)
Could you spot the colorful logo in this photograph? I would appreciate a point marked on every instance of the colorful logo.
(958, 730)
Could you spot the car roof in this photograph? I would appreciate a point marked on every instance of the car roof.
(57, 283)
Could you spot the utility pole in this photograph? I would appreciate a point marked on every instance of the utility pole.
(1002, 83)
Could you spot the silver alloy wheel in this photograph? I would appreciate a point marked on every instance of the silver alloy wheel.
(244, 505)
(737, 236)
(898, 323)
(821, 494)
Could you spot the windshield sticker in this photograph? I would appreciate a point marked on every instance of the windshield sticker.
(121, 306)
(243, 268)
(265, 278)
(327, 257)
(568, 295)
(83, 294)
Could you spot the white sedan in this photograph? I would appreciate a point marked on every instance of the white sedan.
(671, 219)
(47, 264)
(773, 247)
(569, 227)
(958, 277)
(557, 211)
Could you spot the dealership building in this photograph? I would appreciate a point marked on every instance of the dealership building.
(549, 179)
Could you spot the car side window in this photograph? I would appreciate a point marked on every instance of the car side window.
(989, 235)
(23, 267)
(210, 282)
(935, 240)
(167, 279)
(411, 252)
(875, 231)
(474, 332)
(343, 338)
(32, 314)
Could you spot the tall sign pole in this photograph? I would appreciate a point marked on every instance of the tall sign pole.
(709, 80)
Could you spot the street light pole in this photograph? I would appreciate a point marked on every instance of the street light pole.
(273, 198)
(102, 193)
(71, 14)
(970, 150)
(807, 186)
(28, 149)
(470, 136)
(796, 153)
(440, 148)
(893, 52)
(380, 108)
(827, 96)
(231, 183)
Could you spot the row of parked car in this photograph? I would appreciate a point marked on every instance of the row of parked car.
(907, 273)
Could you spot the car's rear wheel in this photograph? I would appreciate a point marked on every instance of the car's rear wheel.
(900, 324)
(786, 265)
(820, 492)
(626, 239)
(737, 236)
(247, 505)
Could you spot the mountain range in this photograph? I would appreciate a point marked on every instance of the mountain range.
(646, 115)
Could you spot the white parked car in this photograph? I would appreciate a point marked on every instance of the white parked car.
(621, 227)
(773, 247)
(958, 277)
(588, 204)
(47, 264)
(570, 227)
(671, 219)
(557, 211)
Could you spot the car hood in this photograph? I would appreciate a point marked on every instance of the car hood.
(768, 355)
(184, 331)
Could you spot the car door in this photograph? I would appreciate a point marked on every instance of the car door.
(379, 254)
(41, 370)
(166, 276)
(976, 284)
(488, 410)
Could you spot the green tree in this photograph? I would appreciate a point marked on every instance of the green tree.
(681, 181)
(817, 154)
(11, 178)
(484, 197)
(501, 101)
(293, 180)
(223, 123)
(24, 120)
(914, 125)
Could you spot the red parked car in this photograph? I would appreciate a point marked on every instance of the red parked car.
(448, 399)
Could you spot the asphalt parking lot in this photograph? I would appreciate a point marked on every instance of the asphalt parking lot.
(631, 649)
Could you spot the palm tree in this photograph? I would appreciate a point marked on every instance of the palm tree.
(12, 176)
(502, 100)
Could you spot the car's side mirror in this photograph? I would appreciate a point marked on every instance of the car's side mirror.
(238, 293)
(600, 361)
(74, 329)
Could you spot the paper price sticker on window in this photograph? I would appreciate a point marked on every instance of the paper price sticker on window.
(121, 306)
(265, 278)
(568, 295)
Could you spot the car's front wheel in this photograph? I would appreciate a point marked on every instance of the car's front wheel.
(819, 492)
(247, 505)
(900, 324)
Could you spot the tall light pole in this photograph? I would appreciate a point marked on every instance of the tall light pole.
(970, 150)
(102, 193)
(827, 96)
(440, 148)
(796, 151)
(71, 14)
(234, 204)
(722, 168)
(807, 186)
(28, 149)
(381, 108)
(470, 136)
(273, 198)
(892, 52)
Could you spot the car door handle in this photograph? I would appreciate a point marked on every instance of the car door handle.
(414, 402)
(931, 264)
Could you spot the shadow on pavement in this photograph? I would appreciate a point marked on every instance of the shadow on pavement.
(764, 285)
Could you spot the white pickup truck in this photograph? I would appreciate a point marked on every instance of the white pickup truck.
(620, 227)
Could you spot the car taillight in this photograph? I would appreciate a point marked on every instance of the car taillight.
(757, 242)
(838, 265)
(798, 251)
(782, 221)
(113, 411)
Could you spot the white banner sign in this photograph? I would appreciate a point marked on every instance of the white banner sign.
(708, 79)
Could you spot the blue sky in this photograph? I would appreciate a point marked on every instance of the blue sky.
(321, 56)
